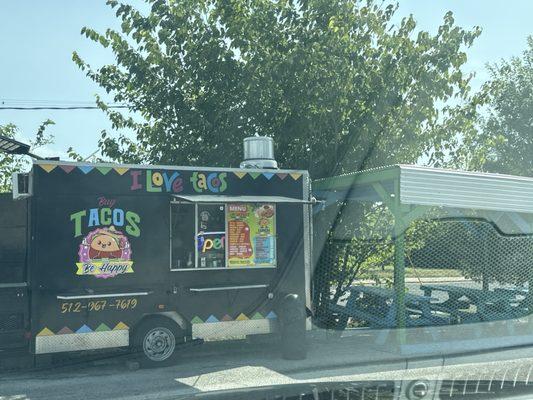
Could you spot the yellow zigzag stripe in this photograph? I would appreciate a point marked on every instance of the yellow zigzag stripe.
(47, 167)
(121, 326)
(295, 176)
(242, 317)
(46, 332)
(121, 171)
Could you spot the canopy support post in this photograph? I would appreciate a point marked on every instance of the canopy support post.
(399, 258)
(399, 273)
(392, 201)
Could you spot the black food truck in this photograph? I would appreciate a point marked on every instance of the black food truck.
(97, 256)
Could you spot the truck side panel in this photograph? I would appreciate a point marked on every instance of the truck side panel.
(13, 273)
(103, 215)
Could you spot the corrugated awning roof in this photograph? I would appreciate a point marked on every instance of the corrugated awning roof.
(204, 198)
(434, 187)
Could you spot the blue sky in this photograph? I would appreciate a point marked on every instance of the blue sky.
(37, 39)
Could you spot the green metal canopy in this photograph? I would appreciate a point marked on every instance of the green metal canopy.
(433, 187)
(411, 191)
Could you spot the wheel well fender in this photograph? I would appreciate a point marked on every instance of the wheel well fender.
(171, 315)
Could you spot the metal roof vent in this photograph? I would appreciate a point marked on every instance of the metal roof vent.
(259, 153)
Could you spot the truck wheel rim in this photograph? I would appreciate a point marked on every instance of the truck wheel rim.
(159, 344)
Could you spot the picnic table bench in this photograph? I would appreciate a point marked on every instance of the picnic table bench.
(518, 291)
(489, 305)
(375, 305)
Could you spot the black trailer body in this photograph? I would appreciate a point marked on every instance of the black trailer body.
(14, 300)
(213, 250)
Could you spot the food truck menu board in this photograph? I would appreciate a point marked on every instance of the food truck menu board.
(251, 235)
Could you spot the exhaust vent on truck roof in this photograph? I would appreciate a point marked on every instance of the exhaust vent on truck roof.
(259, 153)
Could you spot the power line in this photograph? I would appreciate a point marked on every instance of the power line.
(3, 101)
(49, 104)
(58, 108)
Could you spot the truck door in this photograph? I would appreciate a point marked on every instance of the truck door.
(14, 303)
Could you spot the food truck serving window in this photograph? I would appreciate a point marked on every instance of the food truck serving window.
(223, 235)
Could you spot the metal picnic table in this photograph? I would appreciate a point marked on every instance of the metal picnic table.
(490, 304)
(375, 305)
(517, 291)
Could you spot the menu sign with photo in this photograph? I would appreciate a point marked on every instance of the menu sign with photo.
(251, 235)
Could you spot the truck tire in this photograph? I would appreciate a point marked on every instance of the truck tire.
(156, 342)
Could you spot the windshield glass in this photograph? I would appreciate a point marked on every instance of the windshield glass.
(266, 199)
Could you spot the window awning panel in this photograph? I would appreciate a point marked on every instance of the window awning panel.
(204, 198)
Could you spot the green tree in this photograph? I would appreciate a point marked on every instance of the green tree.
(336, 84)
(499, 139)
(8, 163)
(13, 163)
(358, 245)
(503, 140)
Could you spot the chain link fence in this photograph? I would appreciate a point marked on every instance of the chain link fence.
(459, 269)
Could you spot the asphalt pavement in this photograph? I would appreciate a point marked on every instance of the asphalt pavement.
(236, 365)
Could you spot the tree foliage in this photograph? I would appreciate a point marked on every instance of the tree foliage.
(336, 84)
(503, 140)
(10, 164)
(359, 245)
(500, 139)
